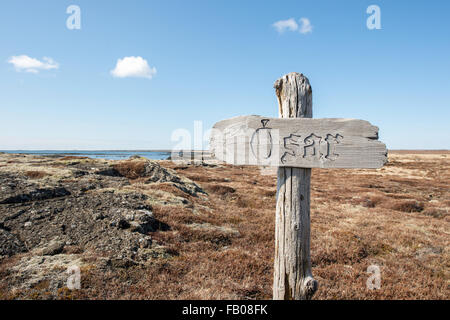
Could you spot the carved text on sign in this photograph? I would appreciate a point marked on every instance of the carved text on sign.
(298, 142)
(261, 142)
(311, 147)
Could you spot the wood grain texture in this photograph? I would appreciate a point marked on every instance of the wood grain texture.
(292, 269)
(298, 142)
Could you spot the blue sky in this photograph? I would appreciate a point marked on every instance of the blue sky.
(215, 60)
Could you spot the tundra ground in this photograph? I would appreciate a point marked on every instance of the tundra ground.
(139, 229)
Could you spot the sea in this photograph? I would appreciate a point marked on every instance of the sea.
(98, 154)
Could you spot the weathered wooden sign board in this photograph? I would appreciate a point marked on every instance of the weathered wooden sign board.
(300, 142)
(295, 144)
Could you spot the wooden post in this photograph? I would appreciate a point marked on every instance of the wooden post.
(295, 146)
(292, 271)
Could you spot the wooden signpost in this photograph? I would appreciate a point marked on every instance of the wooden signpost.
(295, 144)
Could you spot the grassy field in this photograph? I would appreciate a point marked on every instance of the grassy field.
(222, 244)
(395, 217)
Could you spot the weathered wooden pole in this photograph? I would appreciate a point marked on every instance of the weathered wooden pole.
(292, 271)
(295, 146)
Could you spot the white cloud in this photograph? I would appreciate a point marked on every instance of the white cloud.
(32, 65)
(283, 25)
(305, 26)
(291, 25)
(133, 67)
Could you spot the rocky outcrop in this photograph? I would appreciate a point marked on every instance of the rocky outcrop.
(10, 244)
(35, 195)
(150, 171)
(93, 208)
(83, 207)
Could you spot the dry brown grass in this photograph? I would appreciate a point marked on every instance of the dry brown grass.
(203, 178)
(408, 206)
(220, 190)
(132, 169)
(358, 218)
(36, 174)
